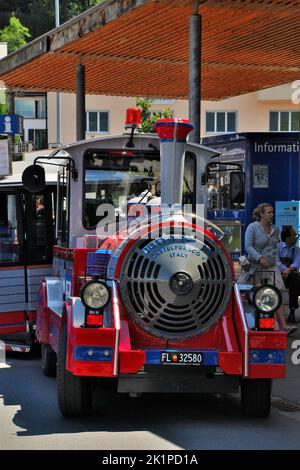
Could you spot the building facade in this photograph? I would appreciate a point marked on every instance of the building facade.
(262, 111)
(32, 106)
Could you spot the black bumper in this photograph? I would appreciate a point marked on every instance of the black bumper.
(164, 379)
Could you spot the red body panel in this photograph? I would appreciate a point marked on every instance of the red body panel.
(267, 371)
(230, 336)
(17, 322)
(90, 337)
(231, 362)
(12, 322)
(267, 340)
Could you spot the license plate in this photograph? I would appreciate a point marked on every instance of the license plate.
(181, 358)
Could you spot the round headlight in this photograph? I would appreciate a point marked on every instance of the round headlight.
(267, 299)
(94, 295)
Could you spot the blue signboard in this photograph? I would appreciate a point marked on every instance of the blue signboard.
(11, 124)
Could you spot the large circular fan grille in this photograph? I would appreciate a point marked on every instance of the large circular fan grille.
(150, 298)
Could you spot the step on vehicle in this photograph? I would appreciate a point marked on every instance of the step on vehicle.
(152, 307)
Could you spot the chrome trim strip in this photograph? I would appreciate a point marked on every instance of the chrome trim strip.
(241, 309)
(117, 325)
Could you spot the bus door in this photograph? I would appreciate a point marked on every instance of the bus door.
(38, 239)
(12, 278)
(26, 240)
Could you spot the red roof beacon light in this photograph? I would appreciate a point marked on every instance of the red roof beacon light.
(133, 118)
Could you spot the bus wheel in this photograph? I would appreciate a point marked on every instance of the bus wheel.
(74, 393)
(49, 360)
(256, 397)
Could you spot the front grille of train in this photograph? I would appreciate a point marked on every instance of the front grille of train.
(146, 294)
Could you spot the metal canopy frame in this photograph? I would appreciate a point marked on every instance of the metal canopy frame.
(141, 48)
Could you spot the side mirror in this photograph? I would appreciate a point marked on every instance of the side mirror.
(33, 178)
(237, 189)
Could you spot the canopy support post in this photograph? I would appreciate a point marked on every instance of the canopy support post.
(195, 74)
(80, 102)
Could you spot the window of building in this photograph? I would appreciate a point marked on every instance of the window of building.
(97, 121)
(31, 107)
(25, 107)
(163, 101)
(221, 121)
(284, 121)
(39, 137)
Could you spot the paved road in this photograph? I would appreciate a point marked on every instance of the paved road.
(29, 418)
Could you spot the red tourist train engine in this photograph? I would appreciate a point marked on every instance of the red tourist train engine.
(153, 308)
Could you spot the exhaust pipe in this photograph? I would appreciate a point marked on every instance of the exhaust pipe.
(172, 134)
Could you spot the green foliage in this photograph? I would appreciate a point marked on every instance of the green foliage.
(3, 107)
(148, 119)
(74, 8)
(15, 34)
(145, 104)
(39, 15)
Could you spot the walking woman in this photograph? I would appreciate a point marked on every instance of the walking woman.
(261, 241)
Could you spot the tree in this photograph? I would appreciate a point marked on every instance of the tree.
(15, 34)
(148, 119)
(39, 15)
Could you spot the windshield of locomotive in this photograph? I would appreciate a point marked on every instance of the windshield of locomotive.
(118, 178)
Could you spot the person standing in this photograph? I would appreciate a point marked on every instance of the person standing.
(288, 262)
(261, 241)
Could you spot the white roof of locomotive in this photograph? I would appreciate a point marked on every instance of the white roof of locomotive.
(114, 141)
(118, 141)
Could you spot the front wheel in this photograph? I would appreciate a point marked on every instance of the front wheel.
(74, 393)
(256, 397)
(48, 361)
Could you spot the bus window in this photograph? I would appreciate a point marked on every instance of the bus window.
(39, 223)
(219, 187)
(62, 233)
(9, 246)
(189, 181)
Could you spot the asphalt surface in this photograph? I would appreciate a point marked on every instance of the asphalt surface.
(30, 419)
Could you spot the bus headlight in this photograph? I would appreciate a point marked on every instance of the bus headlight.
(267, 299)
(94, 295)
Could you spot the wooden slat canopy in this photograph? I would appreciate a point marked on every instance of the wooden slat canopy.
(141, 48)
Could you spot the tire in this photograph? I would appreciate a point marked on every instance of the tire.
(256, 397)
(74, 393)
(49, 361)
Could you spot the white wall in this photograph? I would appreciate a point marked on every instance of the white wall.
(33, 124)
(3, 49)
